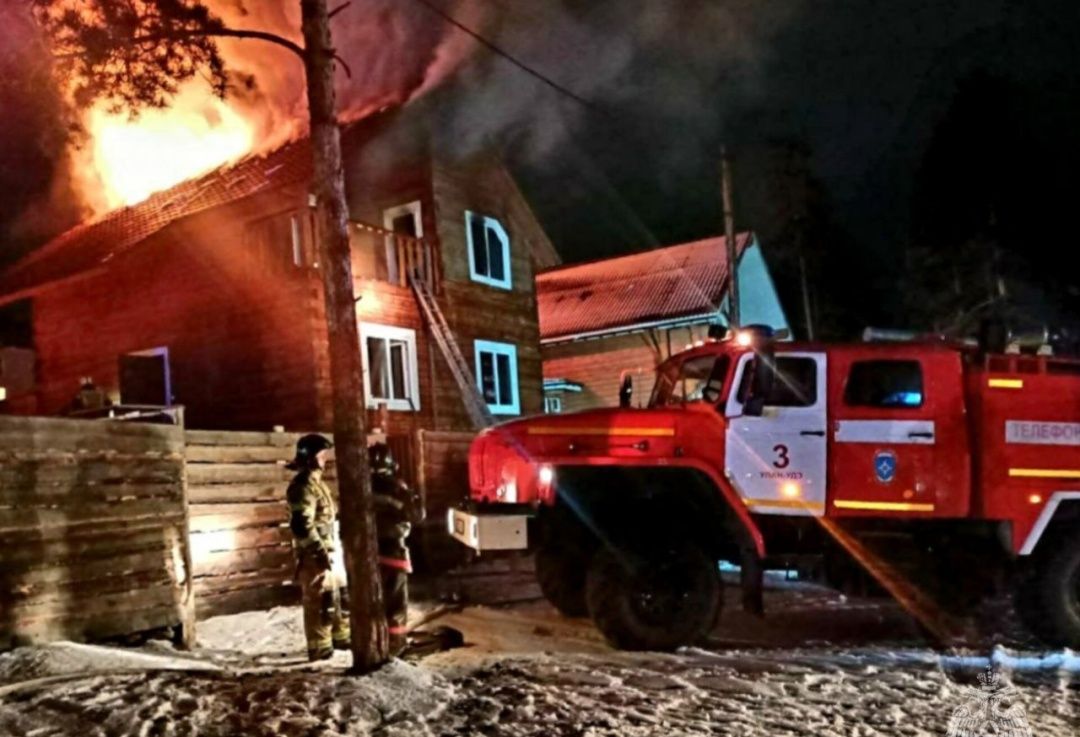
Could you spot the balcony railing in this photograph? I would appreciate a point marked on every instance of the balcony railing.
(407, 257)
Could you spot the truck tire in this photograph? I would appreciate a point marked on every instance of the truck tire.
(560, 572)
(1051, 600)
(656, 600)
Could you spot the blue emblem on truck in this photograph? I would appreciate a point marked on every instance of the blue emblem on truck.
(885, 466)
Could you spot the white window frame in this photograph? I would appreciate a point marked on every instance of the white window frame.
(504, 239)
(499, 349)
(389, 216)
(412, 369)
(552, 405)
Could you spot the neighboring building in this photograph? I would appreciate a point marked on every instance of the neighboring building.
(604, 319)
(208, 295)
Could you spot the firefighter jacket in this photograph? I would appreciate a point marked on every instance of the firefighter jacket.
(312, 512)
(397, 507)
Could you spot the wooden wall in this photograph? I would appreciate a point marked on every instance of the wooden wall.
(477, 311)
(442, 464)
(92, 519)
(598, 364)
(241, 545)
(239, 334)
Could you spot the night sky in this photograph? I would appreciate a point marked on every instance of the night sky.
(918, 125)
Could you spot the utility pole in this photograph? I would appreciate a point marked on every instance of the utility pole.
(734, 320)
(805, 283)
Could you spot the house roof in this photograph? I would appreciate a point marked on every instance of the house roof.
(616, 294)
(93, 243)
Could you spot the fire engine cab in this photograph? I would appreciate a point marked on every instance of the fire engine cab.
(944, 470)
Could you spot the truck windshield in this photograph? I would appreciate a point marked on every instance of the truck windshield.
(698, 379)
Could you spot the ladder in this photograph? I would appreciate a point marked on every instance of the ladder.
(474, 401)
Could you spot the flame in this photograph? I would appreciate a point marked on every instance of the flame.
(130, 159)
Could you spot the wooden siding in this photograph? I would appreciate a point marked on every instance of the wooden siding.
(477, 311)
(239, 336)
(598, 364)
(241, 545)
(247, 343)
(92, 515)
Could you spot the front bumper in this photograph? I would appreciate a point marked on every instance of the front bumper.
(500, 527)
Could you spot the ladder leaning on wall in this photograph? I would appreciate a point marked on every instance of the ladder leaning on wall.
(470, 394)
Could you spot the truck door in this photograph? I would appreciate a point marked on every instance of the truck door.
(898, 434)
(777, 462)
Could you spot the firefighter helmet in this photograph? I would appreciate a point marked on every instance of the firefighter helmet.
(382, 460)
(307, 448)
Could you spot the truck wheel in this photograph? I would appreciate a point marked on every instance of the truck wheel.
(561, 576)
(658, 600)
(1053, 595)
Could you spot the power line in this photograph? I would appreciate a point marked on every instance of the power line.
(511, 58)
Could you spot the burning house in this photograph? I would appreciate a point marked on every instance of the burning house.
(604, 320)
(207, 294)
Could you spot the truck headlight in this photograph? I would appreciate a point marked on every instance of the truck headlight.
(546, 475)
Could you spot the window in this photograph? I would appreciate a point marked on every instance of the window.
(489, 250)
(693, 380)
(280, 241)
(406, 220)
(391, 376)
(795, 384)
(889, 384)
(145, 378)
(496, 376)
(552, 405)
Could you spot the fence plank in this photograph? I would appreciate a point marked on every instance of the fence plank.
(204, 543)
(235, 493)
(239, 454)
(229, 562)
(16, 521)
(243, 600)
(237, 473)
(214, 517)
(226, 438)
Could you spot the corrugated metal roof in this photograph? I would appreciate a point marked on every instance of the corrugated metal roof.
(618, 293)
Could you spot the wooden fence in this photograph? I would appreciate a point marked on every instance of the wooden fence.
(112, 528)
(442, 474)
(240, 540)
(93, 524)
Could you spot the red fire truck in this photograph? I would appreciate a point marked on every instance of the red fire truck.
(944, 470)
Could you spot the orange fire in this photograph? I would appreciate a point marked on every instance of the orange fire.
(130, 159)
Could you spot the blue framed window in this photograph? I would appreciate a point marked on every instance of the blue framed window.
(497, 376)
(489, 250)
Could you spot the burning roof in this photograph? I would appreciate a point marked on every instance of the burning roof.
(624, 292)
(92, 244)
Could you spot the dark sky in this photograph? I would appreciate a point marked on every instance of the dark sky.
(861, 85)
(862, 82)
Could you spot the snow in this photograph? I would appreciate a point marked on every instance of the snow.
(530, 672)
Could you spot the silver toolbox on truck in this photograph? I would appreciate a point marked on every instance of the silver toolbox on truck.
(489, 531)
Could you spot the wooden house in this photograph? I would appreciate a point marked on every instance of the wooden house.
(208, 296)
(605, 319)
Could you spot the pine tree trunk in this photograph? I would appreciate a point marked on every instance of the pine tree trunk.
(370, 643)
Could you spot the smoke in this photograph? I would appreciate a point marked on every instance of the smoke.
(658, 76)
(36, 198)
(654, 74)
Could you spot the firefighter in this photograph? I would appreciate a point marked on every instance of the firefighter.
(397, 509)
(312, 515)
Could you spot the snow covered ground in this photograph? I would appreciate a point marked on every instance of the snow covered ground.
(863, 672)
